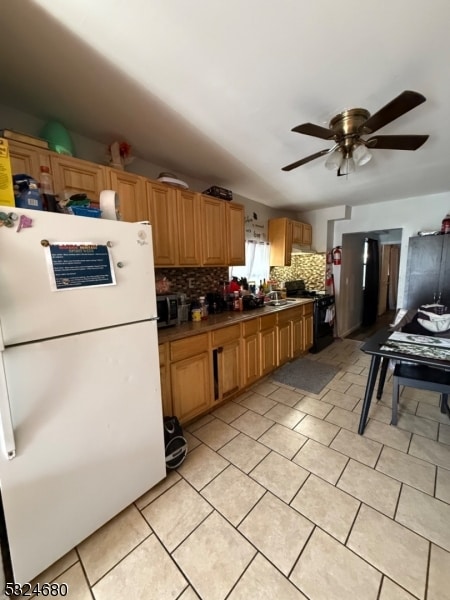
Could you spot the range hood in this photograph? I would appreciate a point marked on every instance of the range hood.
(300, 249)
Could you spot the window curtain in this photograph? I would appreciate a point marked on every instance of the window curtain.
(257, 257)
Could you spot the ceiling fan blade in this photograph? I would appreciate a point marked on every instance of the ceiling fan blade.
(396, 142)
(397, 107)
(303, 161)
(314, 130)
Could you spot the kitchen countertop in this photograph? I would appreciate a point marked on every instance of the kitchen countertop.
(169, 334)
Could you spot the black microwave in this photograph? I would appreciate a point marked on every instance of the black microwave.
(167, 307)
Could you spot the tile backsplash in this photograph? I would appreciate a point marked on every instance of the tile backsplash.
(202, 279)
(308, 266)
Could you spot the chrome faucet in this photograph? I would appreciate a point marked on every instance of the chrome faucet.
(273, 295)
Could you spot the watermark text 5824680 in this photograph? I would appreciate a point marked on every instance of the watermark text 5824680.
(38, 589)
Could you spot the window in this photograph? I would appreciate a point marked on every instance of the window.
(257, 258)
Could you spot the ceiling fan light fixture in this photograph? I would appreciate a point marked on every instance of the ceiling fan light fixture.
(334, 160)
(347, 166)
(361, 155)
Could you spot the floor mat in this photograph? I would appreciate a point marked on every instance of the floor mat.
(308, 375)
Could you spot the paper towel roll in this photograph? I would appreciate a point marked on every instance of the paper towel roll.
(109, 204)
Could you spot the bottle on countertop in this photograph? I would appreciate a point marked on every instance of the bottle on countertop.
(203, 308)
(236, 300)
(46, 189)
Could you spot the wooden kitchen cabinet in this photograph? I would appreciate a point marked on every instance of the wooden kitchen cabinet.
(307, 326)
(131, 192)
(162, 206)
(27, 159)
(283, 233)
(302, 329)
(226, 356)
(306, 234)
(213, 219)
(286, 318)
(73, 175)
(174, 215)
(298, 342)
(251, 363)
(297, 232)
(190, 376)
(280, 239)
(235, 224)
(200, 371)
(268, 343)
(164, 372)
(188, 228)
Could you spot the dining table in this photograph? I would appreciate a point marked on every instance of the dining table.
(387, 344)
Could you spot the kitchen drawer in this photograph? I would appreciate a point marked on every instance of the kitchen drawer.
(189, 346)
(268, 321)
(250, 327)
(288, 315)
(226, 335)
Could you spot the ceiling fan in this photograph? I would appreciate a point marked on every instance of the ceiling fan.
(348, 127)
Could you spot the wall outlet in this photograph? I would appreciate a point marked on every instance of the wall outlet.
(190, 282)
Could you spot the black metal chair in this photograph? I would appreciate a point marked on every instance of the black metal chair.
(422, 378)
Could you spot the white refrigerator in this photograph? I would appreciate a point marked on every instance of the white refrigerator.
(81, 431)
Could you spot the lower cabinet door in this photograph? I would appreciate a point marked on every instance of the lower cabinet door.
(284, 343)
(308, 331)
(298, 343)
(226, 363)
(191, 386)
(268, 350)
(251, 359)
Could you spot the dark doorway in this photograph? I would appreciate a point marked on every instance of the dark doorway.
(371, 282)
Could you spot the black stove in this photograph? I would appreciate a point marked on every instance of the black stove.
(323, 311)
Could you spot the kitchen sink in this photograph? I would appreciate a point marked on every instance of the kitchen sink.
(281, 302)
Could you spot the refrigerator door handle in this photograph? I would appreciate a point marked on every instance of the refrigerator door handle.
(6, 426)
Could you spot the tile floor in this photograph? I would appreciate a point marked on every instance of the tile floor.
(279, 497)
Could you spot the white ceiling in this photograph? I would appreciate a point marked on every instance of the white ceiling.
(211, 89)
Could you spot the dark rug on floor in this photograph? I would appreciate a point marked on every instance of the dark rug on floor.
(308, 375)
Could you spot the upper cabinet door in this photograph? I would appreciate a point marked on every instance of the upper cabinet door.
(27, 159)
(235, 234)
(307, 234)
(161, 202)
(131, 191)
(213, 231)
(188, 220)
(297, 232)
(73, 175)
(280, 238)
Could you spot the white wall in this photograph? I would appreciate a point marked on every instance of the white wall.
(411, 215)
(408, 216)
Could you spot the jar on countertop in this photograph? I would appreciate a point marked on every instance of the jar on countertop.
(196, 315)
